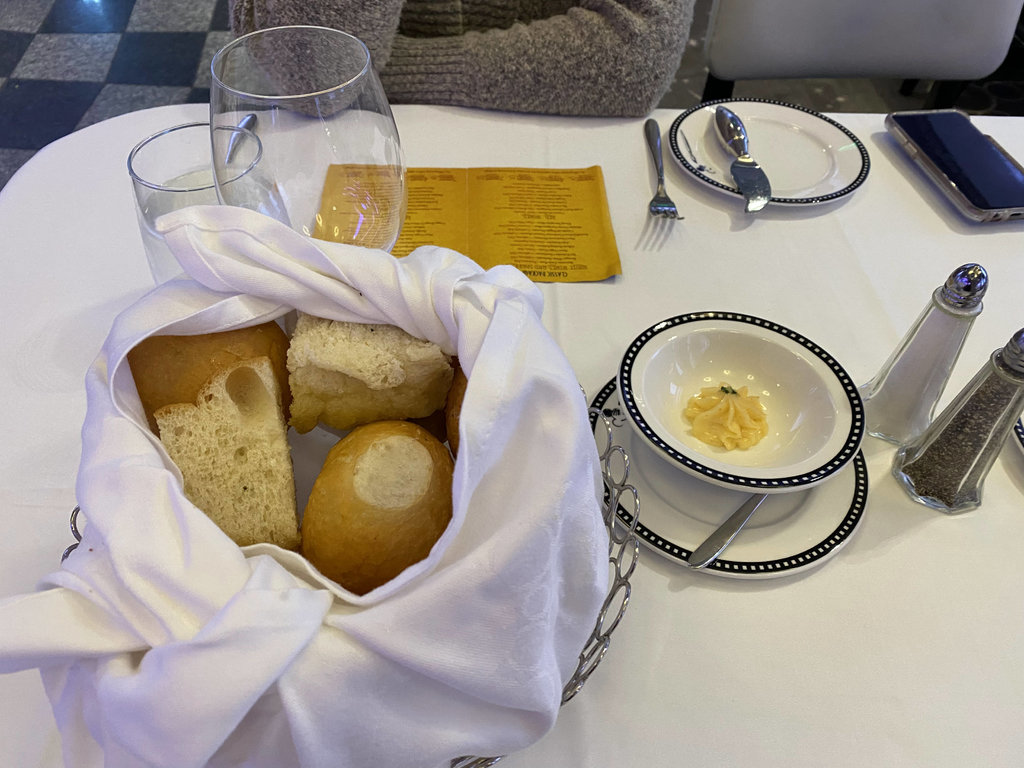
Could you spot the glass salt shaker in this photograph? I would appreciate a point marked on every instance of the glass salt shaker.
(946, 465)
(900, 400)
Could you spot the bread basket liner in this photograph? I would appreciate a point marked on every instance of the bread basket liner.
(161, 643)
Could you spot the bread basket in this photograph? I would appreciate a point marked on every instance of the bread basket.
(155, 602)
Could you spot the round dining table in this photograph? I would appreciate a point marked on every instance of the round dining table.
(900, 644)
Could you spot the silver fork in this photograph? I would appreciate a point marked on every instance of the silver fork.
(661, 206)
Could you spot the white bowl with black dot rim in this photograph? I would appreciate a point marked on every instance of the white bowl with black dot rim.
(815, 414)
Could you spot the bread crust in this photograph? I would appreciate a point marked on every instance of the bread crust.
(453, 408)
(380, 503)
(173, 369)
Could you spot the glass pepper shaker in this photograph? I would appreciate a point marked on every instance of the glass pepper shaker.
(946, 465)
(900, 400)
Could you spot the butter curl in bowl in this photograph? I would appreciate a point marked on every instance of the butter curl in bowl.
(741, 401)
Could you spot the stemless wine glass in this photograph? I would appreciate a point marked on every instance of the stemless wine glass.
(171, 170)
(331, 152)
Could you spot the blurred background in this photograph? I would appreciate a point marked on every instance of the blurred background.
(66, 64)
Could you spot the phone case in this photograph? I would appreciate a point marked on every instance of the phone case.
(936, 173)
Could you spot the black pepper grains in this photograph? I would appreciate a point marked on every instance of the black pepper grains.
(945, 467)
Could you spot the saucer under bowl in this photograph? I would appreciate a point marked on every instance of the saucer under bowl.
(815, 415)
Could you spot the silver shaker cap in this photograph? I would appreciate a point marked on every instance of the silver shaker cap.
(1013, 352)
(965, 287)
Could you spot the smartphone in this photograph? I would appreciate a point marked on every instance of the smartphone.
(980, 178)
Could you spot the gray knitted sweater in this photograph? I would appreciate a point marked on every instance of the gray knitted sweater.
(589, 57)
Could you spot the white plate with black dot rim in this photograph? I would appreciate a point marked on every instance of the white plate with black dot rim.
(1018, 431)
(789, 534)
(809, 158)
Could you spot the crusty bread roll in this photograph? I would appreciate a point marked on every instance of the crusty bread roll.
(453, 408)
(232, 449)
(172, 369)
(347, 374)
(381, 501)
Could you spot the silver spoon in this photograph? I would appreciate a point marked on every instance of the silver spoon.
(247, 123)
(715, 544)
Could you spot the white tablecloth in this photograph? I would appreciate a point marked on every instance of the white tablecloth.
(905, 648)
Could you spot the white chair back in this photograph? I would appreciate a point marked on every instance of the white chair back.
(907, 39)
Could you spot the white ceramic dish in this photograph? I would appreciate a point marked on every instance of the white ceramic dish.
(815, 414)
(808, 157)
(789, 534)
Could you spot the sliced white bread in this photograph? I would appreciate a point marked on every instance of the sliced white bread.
(232, 449)
(347, 374)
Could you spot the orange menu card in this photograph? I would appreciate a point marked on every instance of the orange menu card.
(552, 224)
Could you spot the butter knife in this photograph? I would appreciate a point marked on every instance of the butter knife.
(748, 175)
(715, 544)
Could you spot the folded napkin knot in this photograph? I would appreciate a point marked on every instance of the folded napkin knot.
(198, 687)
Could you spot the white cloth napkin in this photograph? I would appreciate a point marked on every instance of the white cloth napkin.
(161, 643)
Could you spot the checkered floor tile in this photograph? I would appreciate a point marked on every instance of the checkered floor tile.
(65, 64)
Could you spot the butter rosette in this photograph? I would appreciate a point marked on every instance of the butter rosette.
(161, 643)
